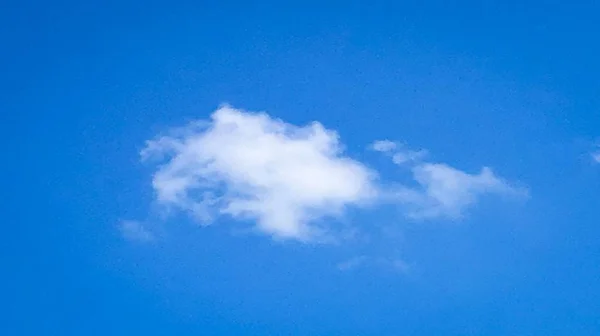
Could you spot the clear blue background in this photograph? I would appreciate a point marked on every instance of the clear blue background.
(509, 84)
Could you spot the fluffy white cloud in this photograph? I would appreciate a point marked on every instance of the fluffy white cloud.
(135, 231)
(442, 190)
(250, 166)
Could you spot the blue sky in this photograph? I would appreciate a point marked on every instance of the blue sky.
(348, 168)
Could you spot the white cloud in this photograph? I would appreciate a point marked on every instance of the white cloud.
(285, 179)
(135, 231)
(398, 152)
(442, 190)
(250, 166)
(445, 191)
(383, 146)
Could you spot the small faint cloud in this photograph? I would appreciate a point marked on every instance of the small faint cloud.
(409, 156)
(135, 231)
(596, 154)
(352, 263)
(383, 146)
(399, 153)
(399, 265)
(394, 264)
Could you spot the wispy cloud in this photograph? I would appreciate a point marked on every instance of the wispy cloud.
(442, 190)
(135, 231)
(399, 153)
(595, 155)
(251, 166)
(354, 263)
(383, 146)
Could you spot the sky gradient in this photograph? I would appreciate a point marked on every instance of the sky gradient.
(190, 168)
